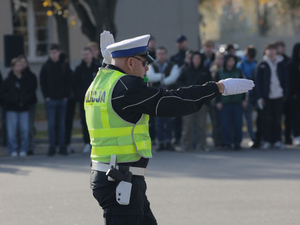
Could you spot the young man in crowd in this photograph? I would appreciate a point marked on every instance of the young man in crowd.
(247, 66)
(55, 80)
(207, 55)
(287, 108)
(163, 73)
(271, 91)
(84, 74)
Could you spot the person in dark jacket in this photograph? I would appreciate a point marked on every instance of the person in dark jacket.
(287, 108)
(207, 55)
(26, 72)
(294, 72)
(272, 90)
(179, 59)
(55, 80)
(84, 74)
(182, 46)
(195, 75)
(231, 107)
(18, 94)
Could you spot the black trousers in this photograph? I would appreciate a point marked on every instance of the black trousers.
(138, 211)
(272, 119)
(71, 106)
(288, 120)
(295, 102)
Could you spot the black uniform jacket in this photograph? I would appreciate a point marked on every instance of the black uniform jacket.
(132, 97)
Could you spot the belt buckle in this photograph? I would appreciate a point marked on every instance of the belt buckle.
(112, 165)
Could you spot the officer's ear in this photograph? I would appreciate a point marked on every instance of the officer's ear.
(130, 63)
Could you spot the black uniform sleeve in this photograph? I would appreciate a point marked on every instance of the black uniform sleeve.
(132, 97)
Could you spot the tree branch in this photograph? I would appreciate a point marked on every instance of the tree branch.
(87, 27)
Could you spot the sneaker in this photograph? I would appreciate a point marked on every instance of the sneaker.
(51, 151)
(69, 149)
(14, 154)
(23, 154)
(87, 148)
(266, 145)
(296, 140)
(279, 144)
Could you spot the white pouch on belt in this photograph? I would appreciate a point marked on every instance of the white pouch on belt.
(123, 192)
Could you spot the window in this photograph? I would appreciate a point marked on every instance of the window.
(31, 21)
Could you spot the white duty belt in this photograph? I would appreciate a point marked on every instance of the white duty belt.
(102, 167)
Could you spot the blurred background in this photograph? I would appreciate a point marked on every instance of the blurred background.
(29, 26)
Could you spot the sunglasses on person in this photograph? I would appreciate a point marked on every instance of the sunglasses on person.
(144, 63)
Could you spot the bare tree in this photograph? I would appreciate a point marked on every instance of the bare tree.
(102, 12)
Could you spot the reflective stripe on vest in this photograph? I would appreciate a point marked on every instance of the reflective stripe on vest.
(109, 134)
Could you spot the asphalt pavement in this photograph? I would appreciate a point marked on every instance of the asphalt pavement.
(248, 187)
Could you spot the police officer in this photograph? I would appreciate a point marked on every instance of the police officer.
(117, 106)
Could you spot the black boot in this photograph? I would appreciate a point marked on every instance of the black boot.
(63, 151)
(51, 151)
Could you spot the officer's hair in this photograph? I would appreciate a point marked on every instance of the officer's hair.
(87, 49)
(54, 47)
(14, 61)
(162, 48)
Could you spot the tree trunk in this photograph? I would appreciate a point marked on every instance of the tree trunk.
(98, 9)
(110, 16)
(63, 33)
(87, 27)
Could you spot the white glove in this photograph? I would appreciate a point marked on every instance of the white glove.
(234, 86)
(106, 38)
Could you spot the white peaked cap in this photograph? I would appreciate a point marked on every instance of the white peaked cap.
(130, 47)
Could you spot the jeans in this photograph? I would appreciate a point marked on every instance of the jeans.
(216, 126)
(17, 121)
(248, 116)
(31, 143)
(56, 114)
(232, 120)
(197, 119)
(164, 130)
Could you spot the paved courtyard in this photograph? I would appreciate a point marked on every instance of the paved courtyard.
(216, 188)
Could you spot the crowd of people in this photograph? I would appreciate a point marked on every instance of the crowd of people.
(276, 94)
(62, 88)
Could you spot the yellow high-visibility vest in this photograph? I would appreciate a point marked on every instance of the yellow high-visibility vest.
(110, 134)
